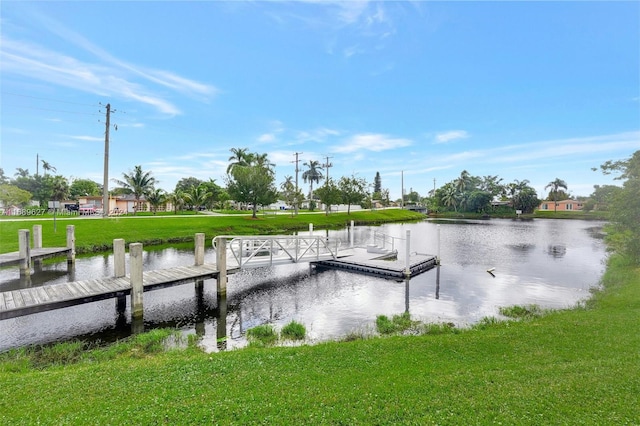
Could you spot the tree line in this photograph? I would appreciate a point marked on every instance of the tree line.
(250, 181)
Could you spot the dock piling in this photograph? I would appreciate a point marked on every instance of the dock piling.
(37, 236)
(118, 258)
(221, 263)
(71, 244)
(199, 249)
(135, 277)
(24, 251)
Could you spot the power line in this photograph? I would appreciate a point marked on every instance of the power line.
(48, 99)
(53, 110)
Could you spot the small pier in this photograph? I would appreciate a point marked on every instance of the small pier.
(385, 266)
(28, 253)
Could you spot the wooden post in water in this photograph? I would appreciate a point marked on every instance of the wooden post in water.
(199, 249)
(37, 243)
(311, 229)
(351, 234)
(135, 277)
(407, 269)
(119, 268)
(221, 264)
(24, 251)
(37, 236)
(71, 244)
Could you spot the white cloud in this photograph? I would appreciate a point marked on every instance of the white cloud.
(267, 137)
(371, 142)
(451, 135)
(87, 138)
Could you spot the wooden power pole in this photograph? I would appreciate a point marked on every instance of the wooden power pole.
(105, 182)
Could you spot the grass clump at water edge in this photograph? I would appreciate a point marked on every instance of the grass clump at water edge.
(293, 331)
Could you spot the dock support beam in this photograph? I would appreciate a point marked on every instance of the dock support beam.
(71, 244)
(199, 249)
(119, 269)
(135, 276)
(25, 251)
(221, 263)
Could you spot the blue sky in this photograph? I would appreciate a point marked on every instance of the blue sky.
(424, 90)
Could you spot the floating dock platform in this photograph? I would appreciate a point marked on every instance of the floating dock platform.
(381, 265)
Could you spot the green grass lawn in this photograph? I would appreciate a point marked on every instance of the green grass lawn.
(575, 366)
(96, 234)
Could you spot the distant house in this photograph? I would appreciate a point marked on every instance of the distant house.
(561, 206)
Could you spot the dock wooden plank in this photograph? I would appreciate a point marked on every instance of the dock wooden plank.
(3, 306)
(27, 297)
(8, 299)
(17, 298)
(41, 295)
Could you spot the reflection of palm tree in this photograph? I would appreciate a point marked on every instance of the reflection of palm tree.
(555, 185)
(138, 183)
(46, 166)
(312, 174)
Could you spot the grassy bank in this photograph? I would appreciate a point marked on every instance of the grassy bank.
(98, 234)
(575, 366)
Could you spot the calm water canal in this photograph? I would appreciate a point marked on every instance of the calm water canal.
(551, 263)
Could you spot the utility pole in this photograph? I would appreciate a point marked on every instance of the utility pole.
(105, 182)
(295, 204)
(37, 164)
(326, 166)
(402, 189)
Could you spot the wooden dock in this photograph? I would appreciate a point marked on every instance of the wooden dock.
(14, 258)
(385, 266)
(48, 297)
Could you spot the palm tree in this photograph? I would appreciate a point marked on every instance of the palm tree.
(20, 172)
(312, 174)
(138, 183)
(156, 197)
(177, 200)
(261, 160)
(450, 197)
(198, 196)
(46, 166)
(555, 185)
(240, 157)
(463, 181)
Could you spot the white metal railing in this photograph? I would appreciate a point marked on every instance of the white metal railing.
(383, 240)
(266, 250)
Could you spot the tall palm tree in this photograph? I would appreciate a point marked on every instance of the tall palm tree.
(450, 197)
(463, 181)
(176, 199)
(555, 185)
(313, 174)
(261, 160)
(240, 157)
(47, 167)
(138, 183)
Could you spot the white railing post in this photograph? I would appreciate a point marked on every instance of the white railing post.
(438, 256)
(351, 234)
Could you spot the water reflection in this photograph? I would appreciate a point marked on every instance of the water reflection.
(332, 304)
